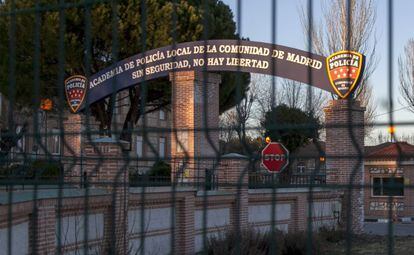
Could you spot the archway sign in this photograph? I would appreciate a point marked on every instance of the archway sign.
(339, 73)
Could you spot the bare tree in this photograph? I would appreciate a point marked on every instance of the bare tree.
(409, 138)
(266, 95)
(315, 101)
(293, 94)
(228, 122)
(302, 96)
(235, 121)
(348, 25)
(406, 73)
(244, 112)
(365, 96)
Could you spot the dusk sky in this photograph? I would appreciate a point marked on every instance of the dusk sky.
(256, 24)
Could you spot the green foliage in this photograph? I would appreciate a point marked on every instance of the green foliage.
(113, 34)
(158, 175)
(10, 172)
(291, 126)
(160, 168)
(45, 170)
(38, 169)
(9, 140)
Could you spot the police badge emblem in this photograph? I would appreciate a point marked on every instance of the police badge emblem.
(75, 89)
(345, 69)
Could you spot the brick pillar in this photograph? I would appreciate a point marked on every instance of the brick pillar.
(344, 155)
(300, 213)
(191, 93)
(105, 168)
(42, 230)
(72, 147)
(185, 233)
(233, 176)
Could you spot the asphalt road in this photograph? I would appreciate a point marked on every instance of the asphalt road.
(399, 229)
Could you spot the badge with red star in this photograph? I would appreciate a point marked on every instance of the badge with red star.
(75, 89)
(345, 70)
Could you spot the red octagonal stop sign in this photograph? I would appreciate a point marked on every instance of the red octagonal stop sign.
(275, 157)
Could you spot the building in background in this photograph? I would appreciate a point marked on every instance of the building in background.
(309, 158)
(387, 168)
(43, 137)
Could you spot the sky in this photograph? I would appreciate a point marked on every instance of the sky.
(256, 24)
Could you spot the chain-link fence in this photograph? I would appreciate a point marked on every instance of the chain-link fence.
(103, 151)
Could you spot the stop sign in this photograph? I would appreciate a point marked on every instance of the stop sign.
(275, 157)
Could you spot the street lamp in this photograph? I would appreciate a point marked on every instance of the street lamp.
(391, 131)
(46, 105)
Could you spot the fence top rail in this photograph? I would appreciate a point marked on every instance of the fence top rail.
(27, 195)
(289, 190)
(163, 189)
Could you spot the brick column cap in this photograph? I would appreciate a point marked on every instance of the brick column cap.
(195, 76)
(67, 112)
(124, 145)
(108, 140)
(344, 104)
(234, 156)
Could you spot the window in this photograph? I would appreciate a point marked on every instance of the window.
(139, 147)
(388, 186)
(162, 115)
(301, 167)
(161, 147)
(54, 142)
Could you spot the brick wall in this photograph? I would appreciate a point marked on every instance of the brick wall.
(185, 226)
(233, 173)
(344, 156)
(42, 236)
(301, 212)
(187, 215)
(105, 167)
(290, 215)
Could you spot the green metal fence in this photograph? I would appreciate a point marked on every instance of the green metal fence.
(42, 42)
